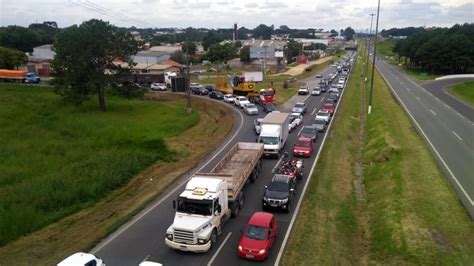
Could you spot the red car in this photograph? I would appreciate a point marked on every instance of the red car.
(329, 107)
(258, 236)
(303, 147)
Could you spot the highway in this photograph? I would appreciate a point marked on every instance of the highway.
(449, 133)
(143, 237)
(438, 89)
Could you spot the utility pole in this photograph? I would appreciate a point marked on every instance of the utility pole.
(188, 89)
(373, 58)
(368, 46)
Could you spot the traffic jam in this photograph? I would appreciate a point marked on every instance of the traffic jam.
(284, 146)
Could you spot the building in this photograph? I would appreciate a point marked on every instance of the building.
(166, 49)
(150, 57)
(40, 60)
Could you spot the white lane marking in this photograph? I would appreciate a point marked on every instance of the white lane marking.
(147, 256)
(314, 111)
(432, 112)
(458, 114)
(178, 186)
(418, 98)
(219, 249)
(277, 163)
(429, 141)
(408, 89)
(301, 129)
(300, 200)
(455, 134)
(322, 99)
(455, 98)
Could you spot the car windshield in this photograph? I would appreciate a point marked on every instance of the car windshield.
(278, 187)
(308, 130)
(323, 114)
(294, 116)
(256, 232)
(269, 140)
(202, 207)
(251, 105)
(320, 122)
(267, 93)
(301, 143)
(328, 105)
(299, 105)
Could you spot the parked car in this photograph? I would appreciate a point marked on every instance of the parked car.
(292, 79)
(300, 107)
(303, 90)
(229, 98)
(258, 236)
(250, 109)
(210, 88)
(158, 87)
(323, 87)
(295, 120)
(329, 107)
(239, 99)
(199, 90)
(216, 95)
(269, 107)
(322, 115)
(319, 124)
(309, 132)
(257, 125)
(243, 103)
(319, 76)
(316, 92)
(333, 97)
(303, 147)
(279, 193)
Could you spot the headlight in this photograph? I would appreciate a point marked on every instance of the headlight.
(240, 248)
(169, 236)
(262, 251)
(284, 200)
(202, 241)
(265, 198)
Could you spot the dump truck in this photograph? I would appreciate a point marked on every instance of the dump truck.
(210, 199)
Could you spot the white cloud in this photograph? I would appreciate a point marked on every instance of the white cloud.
(334, 14)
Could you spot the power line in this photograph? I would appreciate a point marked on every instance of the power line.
(107, 12)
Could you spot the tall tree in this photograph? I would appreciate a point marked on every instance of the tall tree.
(177, 56)
(85, 56)
(349, 33)
(12, 58)
(293, 49)
(189, 47)
(220, 53)
(245, 54)
(263, 31)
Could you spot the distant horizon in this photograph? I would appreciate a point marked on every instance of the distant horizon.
(221, 14)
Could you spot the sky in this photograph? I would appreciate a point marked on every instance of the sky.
(329, 14)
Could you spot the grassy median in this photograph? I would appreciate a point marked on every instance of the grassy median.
(71, 175)
(465, 91)
(377, 196)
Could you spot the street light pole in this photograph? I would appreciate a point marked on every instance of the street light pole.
(373, 58)
(188, 89)
(368, 46)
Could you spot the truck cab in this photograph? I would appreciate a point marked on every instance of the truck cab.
(81, 258)
(200, 210)
(274, 132)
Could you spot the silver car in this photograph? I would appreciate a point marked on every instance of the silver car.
(251, 109)
(257, 125)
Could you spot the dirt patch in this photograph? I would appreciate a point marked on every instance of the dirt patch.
(297, 70)
(440, 240)
(82, 230)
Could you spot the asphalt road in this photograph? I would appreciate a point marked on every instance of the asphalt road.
(438, 89)
(143, 237)
(448, 132)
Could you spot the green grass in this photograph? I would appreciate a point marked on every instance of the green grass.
(314, 69)
(410, 214)
(465, 91)
(419, 74)
(384, 50)
(57, 159)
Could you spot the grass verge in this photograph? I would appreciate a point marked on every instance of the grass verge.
(94, 221)
(464, 91)
(408, 214)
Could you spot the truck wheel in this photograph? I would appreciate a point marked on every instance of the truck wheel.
(213, 237)
(235, 209)
(241, 200)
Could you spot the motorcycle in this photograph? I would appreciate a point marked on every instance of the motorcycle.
(290, 166)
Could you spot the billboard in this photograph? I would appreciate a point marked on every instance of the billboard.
(262, 52)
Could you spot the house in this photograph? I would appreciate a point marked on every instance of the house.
(164, 66)
(40, 60)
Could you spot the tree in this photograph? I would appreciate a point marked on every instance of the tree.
(333, 33)
(189, 46)
(245, 54)
(178, 56)
(220, 53)
(210, 39)
(349, 33)
(263, 31)
(84, 61)
(12, 58)
(293, 49)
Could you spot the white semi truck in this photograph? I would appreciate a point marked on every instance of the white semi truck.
(274, 132)
(210, 199)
